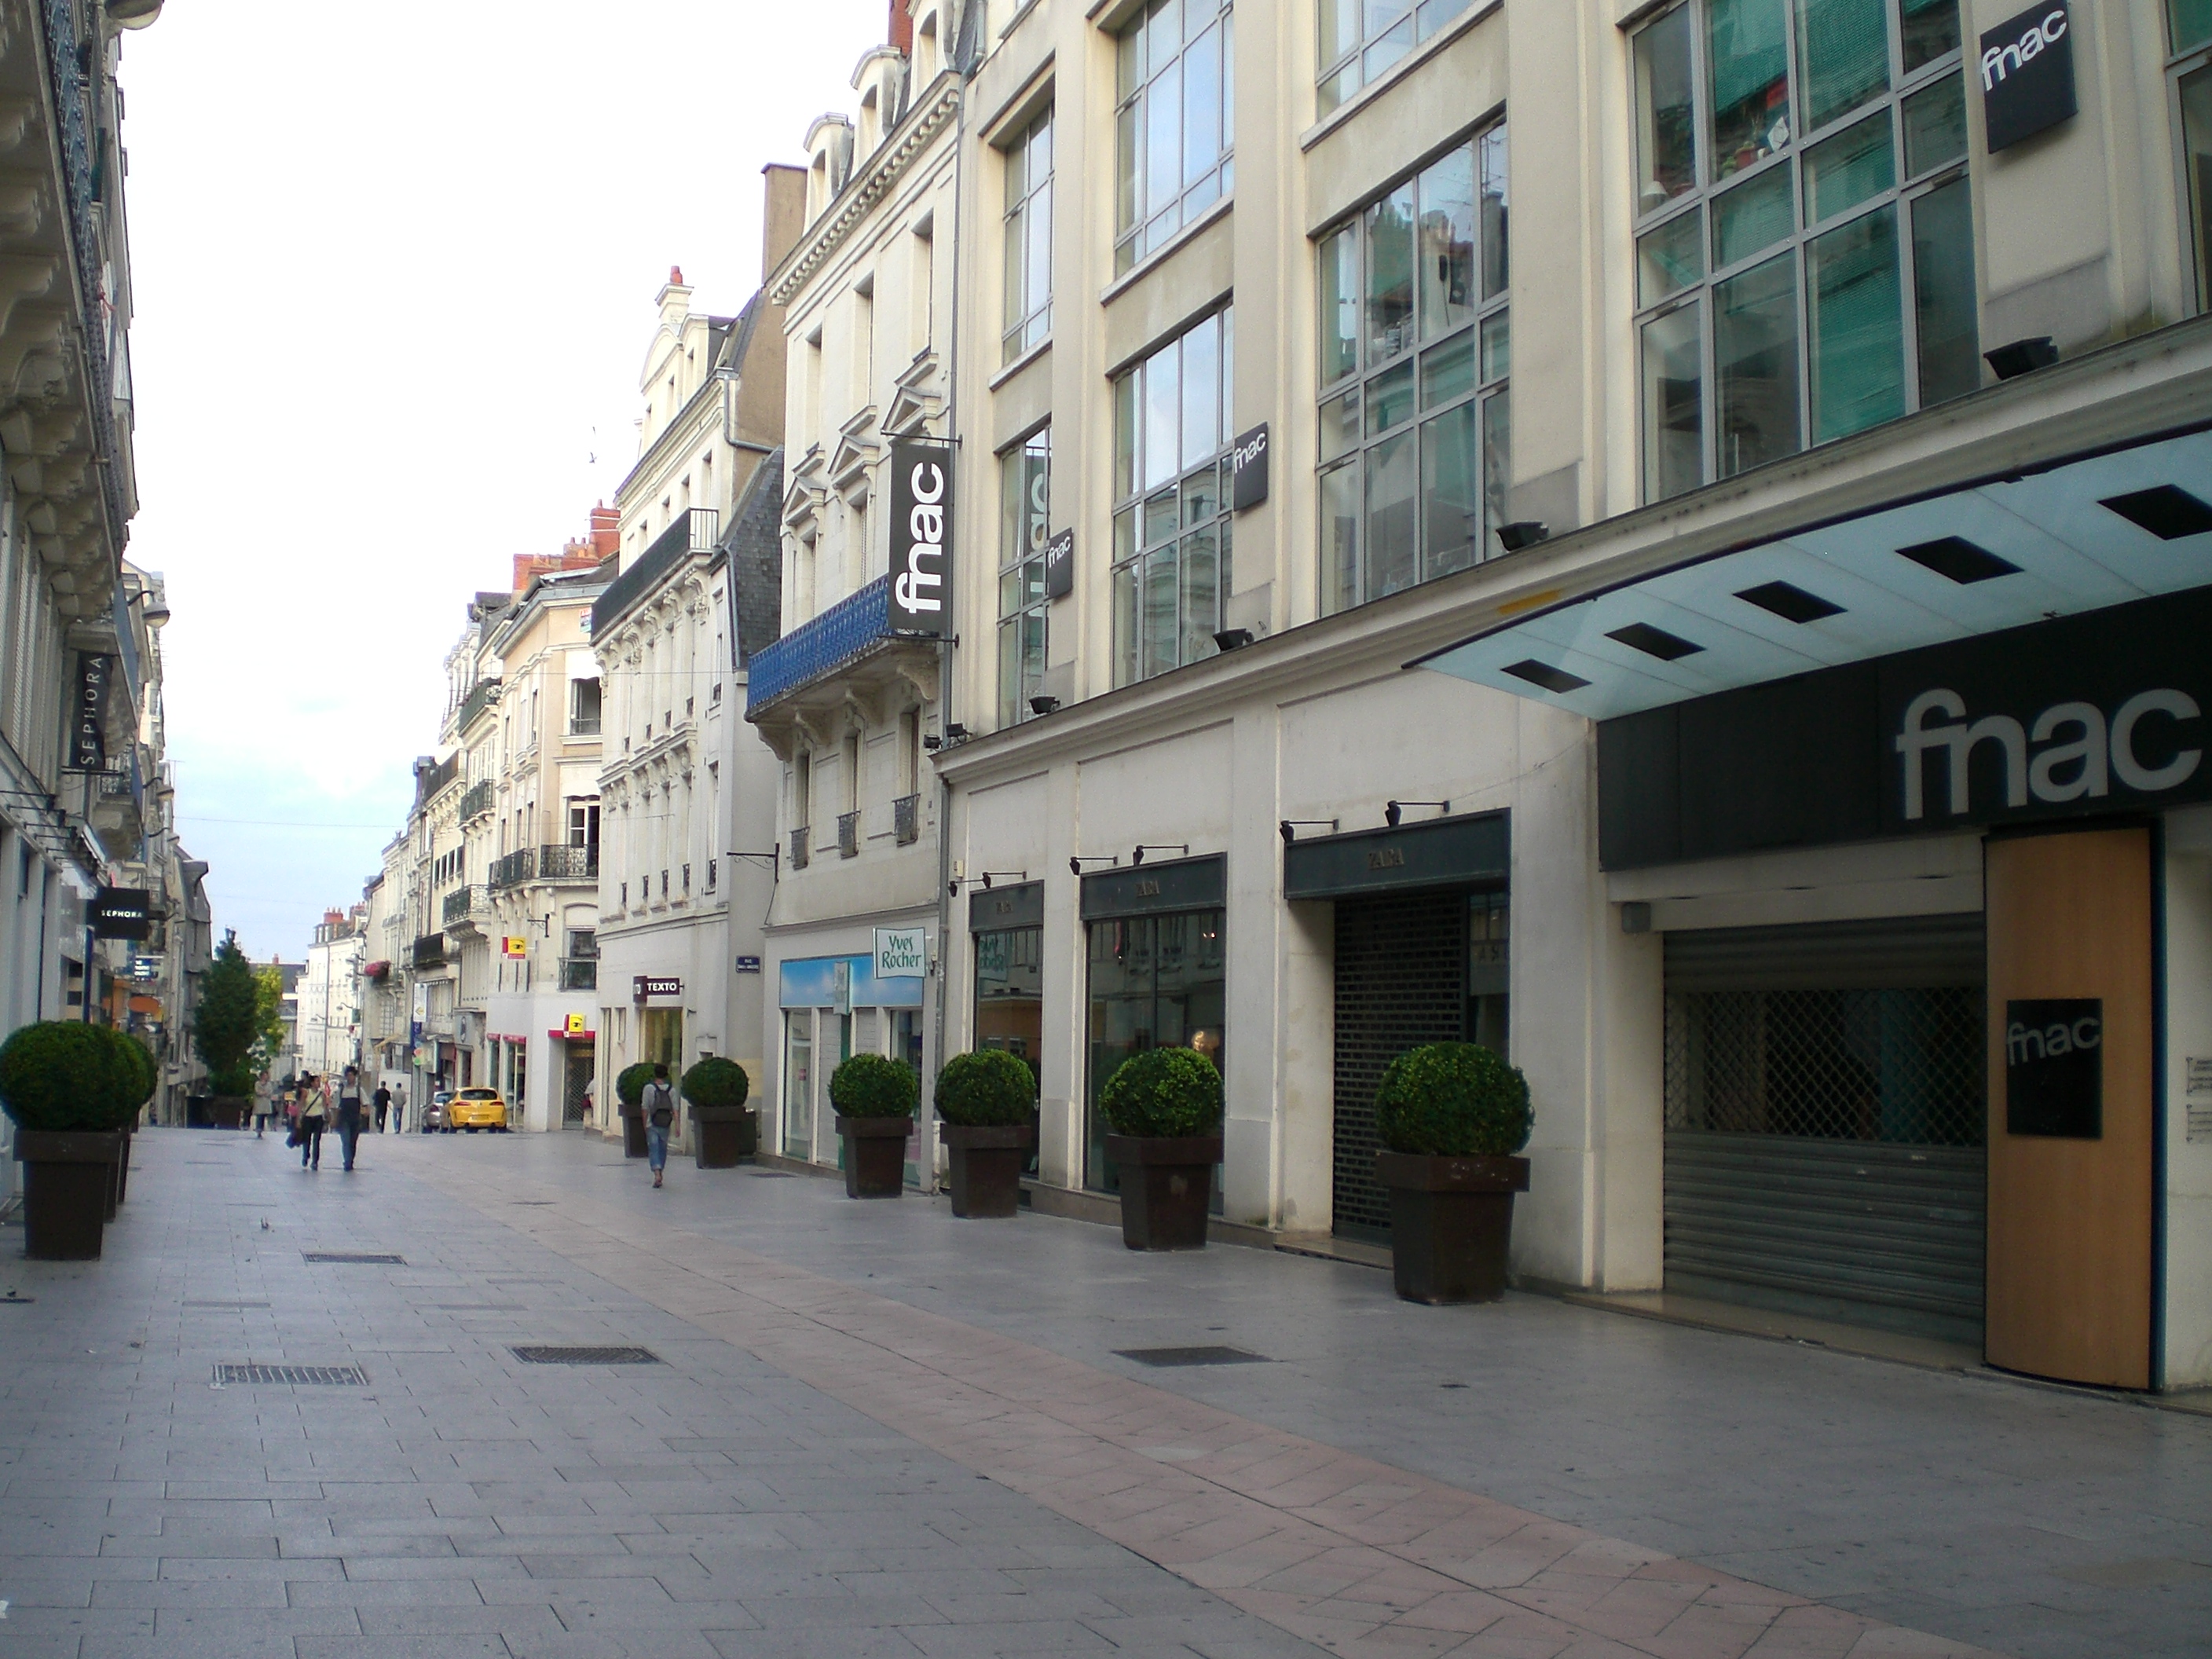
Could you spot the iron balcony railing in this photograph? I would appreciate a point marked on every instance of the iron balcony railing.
(584, 726)
(514, 870)
(476, 800)
(848, 835)
(568, 863)
(820, 646)
(693, 530)
(906, 819)
(801, 847)
(482, 695)
(431, 780)
(463, 902)
(580, 973)
(430, 950)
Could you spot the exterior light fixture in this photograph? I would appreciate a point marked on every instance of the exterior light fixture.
(1075, 865)
(2020, 357)
(1522, 533)
(956, 732)
(1042, 704)
(1143, 848)
(1289, 828)
(933, 742)
(1232, 638)
(1394, 810)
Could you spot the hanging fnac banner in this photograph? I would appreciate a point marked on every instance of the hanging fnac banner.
(922, 538)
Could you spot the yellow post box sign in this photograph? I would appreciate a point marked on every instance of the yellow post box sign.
(575, 1025)
(515, 947)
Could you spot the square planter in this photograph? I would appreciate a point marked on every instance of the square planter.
(987, 1167)
(721, 1135)
(1451, 1224)
(632, 1122)
(1166, 1185)
(69, 1181)
(875, 1155)
(230, 1111)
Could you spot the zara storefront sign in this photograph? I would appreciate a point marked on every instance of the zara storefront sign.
(2028, 74)
(922, 529)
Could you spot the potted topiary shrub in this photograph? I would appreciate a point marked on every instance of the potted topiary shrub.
(69, 1090)
(875, 1098)
(1450, 1116)
(139, 1069)
(987, 1102)
(629, 1098)
(723, 1128)
(1163, 1107)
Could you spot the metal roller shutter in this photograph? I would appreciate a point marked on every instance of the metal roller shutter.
(1825, 1107)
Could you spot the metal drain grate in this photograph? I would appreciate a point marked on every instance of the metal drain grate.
(338, 1376)
(360, 1258)
(231, 1305)
(1207, 1356)
(531, 1203)
(540, 1355)
(771, 1175)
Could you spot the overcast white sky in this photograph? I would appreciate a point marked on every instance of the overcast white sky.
(394, 268)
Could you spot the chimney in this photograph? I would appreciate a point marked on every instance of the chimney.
(606, 523)
(901, 26)
(675, 298)
(783, 213)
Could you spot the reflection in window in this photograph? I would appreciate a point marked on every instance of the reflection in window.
(1805, 260)
(1025, 526)
(1175, 88)
(1361, 39)
(1416, 349)
(1028, 233)
(1010, 1000)
(1156, 983)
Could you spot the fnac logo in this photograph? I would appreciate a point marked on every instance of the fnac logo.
(2083, 751)
(925, 555)
(1997, 61)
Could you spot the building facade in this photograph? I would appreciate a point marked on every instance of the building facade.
(328, 1033)
(849, 693)
(1652, 537)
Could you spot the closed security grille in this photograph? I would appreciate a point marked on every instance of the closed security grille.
(1400, 982)
(343, 1376)
(539, 1355)
(1825, 1099)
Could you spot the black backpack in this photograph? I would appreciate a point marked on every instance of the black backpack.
(660, 1104)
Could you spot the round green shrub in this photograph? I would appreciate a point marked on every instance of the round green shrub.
(1163, 1093)
(141, 1063)
(629, 1084)
(1452, 1100)
(717, 1082)
(988, 1088)
(62, 1075)
(869, 1086)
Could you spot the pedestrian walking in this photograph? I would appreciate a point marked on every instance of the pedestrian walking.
(314, 1113)
(350, 1114)
(265, 1103)
(659, 1105)
(383, 1099)
(400, 1109)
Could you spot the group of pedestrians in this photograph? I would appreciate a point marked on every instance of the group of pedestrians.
(309, 1108)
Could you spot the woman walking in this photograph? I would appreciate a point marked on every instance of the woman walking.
(349, 1114)
(314, 1113)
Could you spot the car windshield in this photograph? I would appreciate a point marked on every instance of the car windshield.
(479, 1094)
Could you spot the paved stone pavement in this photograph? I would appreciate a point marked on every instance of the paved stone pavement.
(880, 1430)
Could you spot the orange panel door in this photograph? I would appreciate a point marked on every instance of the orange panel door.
(2071, 1082)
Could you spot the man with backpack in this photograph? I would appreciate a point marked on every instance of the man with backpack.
(658, 1104)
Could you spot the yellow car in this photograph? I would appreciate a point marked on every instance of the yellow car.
(476, 1108)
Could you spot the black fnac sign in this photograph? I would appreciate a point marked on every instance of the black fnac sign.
(2028, 74)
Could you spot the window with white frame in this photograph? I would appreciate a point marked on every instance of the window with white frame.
(1805, 255)
(1025, 526)
(2188, 23)
(1172, 428)
(1360, 39)
(1416, 349)
(1174, 91)
(1029, 240)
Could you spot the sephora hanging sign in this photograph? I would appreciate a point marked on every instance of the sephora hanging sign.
(95, 674)
(921, 538)
(2028, 74)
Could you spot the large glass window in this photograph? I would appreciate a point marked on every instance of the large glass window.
(1156, 983)
(1025, 526)
(1360, 39)
(1805, 263)
(1171, 442)
(1029, 240)
(2192, 23)
(1010, 1000)
(1416, 347)
(1174, 91)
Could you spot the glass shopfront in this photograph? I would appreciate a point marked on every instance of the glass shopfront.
(831, 1005)
(1007, 926)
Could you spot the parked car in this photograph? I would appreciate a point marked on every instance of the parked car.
(476, 1108)
(434, 1114)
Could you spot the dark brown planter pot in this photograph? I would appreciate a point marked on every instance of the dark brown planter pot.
(987, 1167)
(123, 1165)
(1166, 1184)
(721, 1135)
(633, 1122)
(230, 1111)
(68, 1180)
(875, 1155)
(1451, 1224)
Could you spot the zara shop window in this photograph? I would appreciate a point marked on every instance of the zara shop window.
(1805, 252)
(1172, 432)
(1025, 526)
(1416, 349)
(1028, 241)
(1174, 118)
(2189, 26)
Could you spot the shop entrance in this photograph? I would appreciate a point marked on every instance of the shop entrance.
(578, 1066)
(1007, 928)
(1825, 1145)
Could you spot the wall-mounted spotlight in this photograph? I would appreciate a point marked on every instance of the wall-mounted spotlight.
(933, 742)
(1143, 848)
(1075, 865)
(1232, 638)
(956, 732)
(2020, 357)
(986, 878)
(1042, 704)
(1289, 828)
(1394, 810)
(1522, 533)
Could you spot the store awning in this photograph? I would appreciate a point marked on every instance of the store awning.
(2074, 537)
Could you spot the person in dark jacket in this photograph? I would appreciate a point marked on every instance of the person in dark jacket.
(383, 1099)
(349, 1113)
(314, 1113)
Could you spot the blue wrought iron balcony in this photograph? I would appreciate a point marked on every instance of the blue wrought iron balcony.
(819, 646)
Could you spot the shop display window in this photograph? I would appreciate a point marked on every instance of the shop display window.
(1009, 997)
(1156, 983)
